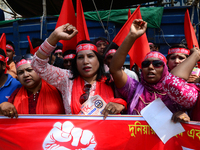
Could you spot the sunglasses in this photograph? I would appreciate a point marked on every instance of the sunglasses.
(155, 63)
(16, 59)
(85, 95)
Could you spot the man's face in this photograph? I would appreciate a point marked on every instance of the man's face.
(10, 53)
(101, 46)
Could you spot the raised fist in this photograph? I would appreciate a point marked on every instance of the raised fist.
(66, 137)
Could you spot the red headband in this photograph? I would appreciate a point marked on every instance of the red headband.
(178, 50)
(102, 41)
(22, 62)
(154, 54)
(150, 43)
(58, 51)
(9, 47)
(70, 56)
(86, 46)
(2, 58)
(110, 52)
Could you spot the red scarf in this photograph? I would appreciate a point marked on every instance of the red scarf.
(102, 89)
(49, 100)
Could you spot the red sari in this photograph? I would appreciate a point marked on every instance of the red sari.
(49, 100)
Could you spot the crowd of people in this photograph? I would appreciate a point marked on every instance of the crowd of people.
(51, 81)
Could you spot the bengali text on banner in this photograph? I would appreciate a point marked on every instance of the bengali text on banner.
(90, 132)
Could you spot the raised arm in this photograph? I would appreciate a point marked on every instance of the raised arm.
(53, 75)
(64, 32)
(137, 29)
(185, 68)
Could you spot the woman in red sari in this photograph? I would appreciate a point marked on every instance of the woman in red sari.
(36, 96)
(86, 80)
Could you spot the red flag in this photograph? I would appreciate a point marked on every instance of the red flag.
(67, 15)
(141, 47)
(3, 46)
(3, 42)
(81, 23)
(32, 51)
(189, 32)
(129, 13)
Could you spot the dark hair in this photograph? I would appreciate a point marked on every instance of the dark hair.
(110, 46)
(100, 38)
(178, 46)
(100, 71)
(35, 43)
(10, 43)
(3, 54)
(69, 52)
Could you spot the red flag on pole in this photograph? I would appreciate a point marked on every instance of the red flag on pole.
(32, 50)
(129, 13)
(141, 47)
(189, 32)
(67, 15)
(3, 42)
(81, 23)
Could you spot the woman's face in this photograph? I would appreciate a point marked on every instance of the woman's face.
(152, 74)
(27, 76)
(175, 59)
(87, 64)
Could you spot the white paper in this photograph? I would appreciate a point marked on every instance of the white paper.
(159, 117)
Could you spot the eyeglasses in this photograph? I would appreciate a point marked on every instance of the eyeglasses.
(85, 95)
(16, 59)
(155, 63)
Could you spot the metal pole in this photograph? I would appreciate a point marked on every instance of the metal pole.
(43, 17)
(44, 8)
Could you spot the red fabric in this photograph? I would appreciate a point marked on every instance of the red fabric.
(49, 100)
(81, 23)
(32, 103)
(3, 46)
(12, 96)
(189, 32)
(3, 42)
(67, 15)
(141, 46)
(2, 58)
(32, 50)
(154, 54)
(129, 13)
(117, 132)
(87, 46)
(102, 89)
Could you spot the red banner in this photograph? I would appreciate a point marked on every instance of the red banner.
(90, 132)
